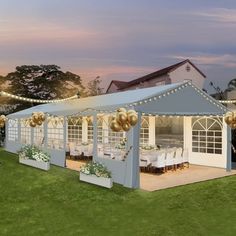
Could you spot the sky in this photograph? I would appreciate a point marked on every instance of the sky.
(121, 39)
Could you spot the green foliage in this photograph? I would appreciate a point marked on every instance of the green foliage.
(232, 85)
(94, 168)
(33, 153)
(55, 202)
(94, 87)
(42, 82)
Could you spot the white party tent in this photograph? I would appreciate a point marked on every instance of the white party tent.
(206, 136)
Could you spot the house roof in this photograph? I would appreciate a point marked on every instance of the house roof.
(189, 100)
(164, 71)
(118, 83)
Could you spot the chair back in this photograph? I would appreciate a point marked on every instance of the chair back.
(170, 157)
(185, 155)
(162, 158)
(178, 152)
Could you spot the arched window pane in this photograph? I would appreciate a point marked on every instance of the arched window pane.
(144, 131)
(207, 135)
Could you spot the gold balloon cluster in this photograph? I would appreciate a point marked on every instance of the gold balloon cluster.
(123, 120)
(230, 119)
(3, 119)
(37, 118)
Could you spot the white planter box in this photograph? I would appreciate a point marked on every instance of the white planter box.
(93, 179)
(37, 164)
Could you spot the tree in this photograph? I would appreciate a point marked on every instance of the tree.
(43, 82)
(94, 87)
(5, 107)
(231, 85)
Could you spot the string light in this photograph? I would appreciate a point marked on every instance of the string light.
(227, 101)
(4, 94)
(137, 103)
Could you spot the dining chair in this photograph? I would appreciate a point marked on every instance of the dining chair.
(73, 152)
(170, 158)
(178, 160)
(161, 161)
(186, 157)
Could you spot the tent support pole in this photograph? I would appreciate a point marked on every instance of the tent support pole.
(228, 147)
(132, 179)
(95, 137)
(19, 130)
(45, 131)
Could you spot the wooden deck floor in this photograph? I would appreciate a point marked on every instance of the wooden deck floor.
(193, 174)
(153, 182)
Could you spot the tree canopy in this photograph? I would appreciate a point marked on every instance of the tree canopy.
(94, 87)
(45, 82)
(41, 82)
(232, 85)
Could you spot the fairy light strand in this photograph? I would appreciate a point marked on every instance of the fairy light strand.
(5, 94)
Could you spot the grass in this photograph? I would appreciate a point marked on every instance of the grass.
(34, 202)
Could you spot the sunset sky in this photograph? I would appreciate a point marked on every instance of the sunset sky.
(119, 39)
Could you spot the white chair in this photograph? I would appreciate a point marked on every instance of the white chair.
(151, 156)
(161, 161)
(185, 157)
(170, 158)
(143, 161)
(73, 152)
(178, 160)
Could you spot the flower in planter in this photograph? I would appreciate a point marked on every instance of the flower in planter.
(94, 168)
(122, 144)
(33, 153)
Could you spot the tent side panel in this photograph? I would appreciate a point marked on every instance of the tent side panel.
(117, 169)
(205, 159)
(58, 157)
(12, 146)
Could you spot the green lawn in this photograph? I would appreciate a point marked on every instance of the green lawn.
(34, 202)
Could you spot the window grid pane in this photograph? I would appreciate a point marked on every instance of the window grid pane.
(207, 135)
(75, 129)
(25, 132)
(55, 134)
(39, 135)
(144, 131)
(13, 130)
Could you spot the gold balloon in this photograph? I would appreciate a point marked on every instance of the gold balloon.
(2, 117)
(126, 126)
(131, 111)
(133, 118)
(35, 120)
(228, 120)
(43, 117)
(121, 109)
(233, 126)
(39, 122)
(2, 121)
(121, 117)
(32, 124)
(115, 126)
(111, 118)
(231, 119)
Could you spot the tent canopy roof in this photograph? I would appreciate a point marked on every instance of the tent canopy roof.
(143, 100)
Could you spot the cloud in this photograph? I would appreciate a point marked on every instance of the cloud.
(225, 60)
(223, 15)
(21, 31)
